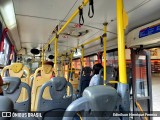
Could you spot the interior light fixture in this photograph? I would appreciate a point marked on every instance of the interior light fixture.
(8, 14)
(77, 53)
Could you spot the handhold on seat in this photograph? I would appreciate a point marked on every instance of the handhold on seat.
(13, 82)
(13, 91)
(47, 68)
(16, 67)
(100, 96)
(99, 101)
(59, 101)
(38, 82)
(59, 83)
(111, 75)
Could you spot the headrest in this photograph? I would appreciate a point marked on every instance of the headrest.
(47, 68)
(105, 95)
(59, 83)
(13, 84)
(6, 104)
(16, 67)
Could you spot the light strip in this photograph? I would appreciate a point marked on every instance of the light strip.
(7, 11)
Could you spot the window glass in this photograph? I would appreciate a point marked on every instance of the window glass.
(13, 58)
(112, 59)
(0, 31)
(6, 52)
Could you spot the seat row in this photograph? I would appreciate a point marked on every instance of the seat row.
(28, 95)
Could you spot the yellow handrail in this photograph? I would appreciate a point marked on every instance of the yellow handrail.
(140, 108)
(80, 116)
(55, 55)
(90, 41)
(82, 58)
(104, 51)
(85, 2)
(121, 43)
(86, 43)
(71, 60)
(42, 57)
(113, 82)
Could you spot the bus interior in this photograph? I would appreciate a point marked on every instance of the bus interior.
(48, 49)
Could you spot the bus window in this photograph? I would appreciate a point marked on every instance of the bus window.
(4, 55)
(6, 51)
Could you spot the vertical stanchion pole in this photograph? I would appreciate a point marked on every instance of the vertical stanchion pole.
(55, 54)
(104, 52)
(121, 43)
(62, 70)
(42, 57)
(71, 57)
(82, 59)
(123, 87)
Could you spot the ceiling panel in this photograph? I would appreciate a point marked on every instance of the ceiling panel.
(36, 19)
(53, 9)
(35, 29)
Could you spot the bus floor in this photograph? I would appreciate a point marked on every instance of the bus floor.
(156, 94)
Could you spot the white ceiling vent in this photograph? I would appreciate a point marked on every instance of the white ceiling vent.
(75, 31)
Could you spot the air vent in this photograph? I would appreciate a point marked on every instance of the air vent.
(73, 31)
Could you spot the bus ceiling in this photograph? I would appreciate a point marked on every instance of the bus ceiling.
(33, 27)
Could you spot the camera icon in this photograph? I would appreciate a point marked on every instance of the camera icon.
(6, 114)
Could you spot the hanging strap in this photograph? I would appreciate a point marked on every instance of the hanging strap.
(101, 41)
(99, 57)
(91, 8)
(81, 19)
(49, 48)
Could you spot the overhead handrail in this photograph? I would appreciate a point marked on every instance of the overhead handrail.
(85, 2)
(86, 43)
(113, 82)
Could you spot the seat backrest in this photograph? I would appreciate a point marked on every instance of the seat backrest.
(58, 92)
(20, 71)
(85, 77)
(111, 75)
(38, 81)
(13, 91)
(17, 70)
(31, 80)
(96, 99)
(6, 105)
